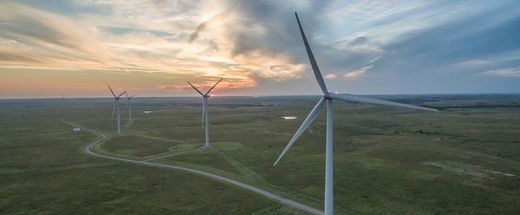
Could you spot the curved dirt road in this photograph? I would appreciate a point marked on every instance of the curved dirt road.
(269, 195)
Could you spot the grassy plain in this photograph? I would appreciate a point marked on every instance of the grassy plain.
(44, 171)
(462, 160)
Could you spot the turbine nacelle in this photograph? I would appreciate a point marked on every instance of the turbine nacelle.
(116, 107)
(129, 97)
(113, 94)
(327, 95)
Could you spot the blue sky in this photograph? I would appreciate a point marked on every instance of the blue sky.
(151, 47)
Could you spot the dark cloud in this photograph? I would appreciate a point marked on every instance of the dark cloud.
(359, 41)
(193, 36)
(449, 58)
(202, 26)
(476, 37)
(276, 19)
(282, 35)
(431, 49)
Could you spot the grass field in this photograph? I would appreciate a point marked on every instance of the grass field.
(44, 171)
(462, 160)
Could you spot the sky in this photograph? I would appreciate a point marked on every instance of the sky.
(73, 48)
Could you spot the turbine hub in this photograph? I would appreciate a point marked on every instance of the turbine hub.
(327, 95)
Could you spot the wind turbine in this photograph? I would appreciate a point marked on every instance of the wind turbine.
(129, 104)
(205, 97)
(116, 108)
(329, 97)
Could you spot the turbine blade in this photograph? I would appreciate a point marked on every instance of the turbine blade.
(195, 88)
(362, 99)
(310, 118)
(121, 94)
(314, 64)
(126, 94)
(210, 89)
(111, 90)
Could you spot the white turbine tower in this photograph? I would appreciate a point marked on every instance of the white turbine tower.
(329, 97)
(116, 108)
(205, 97)
(129, 104)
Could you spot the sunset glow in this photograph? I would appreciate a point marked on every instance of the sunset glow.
(152, 47)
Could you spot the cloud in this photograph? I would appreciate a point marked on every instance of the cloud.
(49, 36)
(202, 26)
(256, 45)
(507, 72)
(357, 73)
(465, 42)
(331, 76)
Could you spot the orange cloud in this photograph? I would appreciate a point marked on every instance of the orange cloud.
(39, 41)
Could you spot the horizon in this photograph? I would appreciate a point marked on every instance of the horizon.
(152, 48)
(260, 96)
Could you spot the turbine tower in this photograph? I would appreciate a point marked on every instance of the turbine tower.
(329, 97)
(129, 104)
(116, 108)
(205, 97)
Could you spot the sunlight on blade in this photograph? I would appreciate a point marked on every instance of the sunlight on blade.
(362, 99)
(310, 118)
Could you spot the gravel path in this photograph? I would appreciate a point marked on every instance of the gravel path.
(88, 149)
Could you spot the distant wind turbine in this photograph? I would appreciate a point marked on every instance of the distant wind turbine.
(205, 97)
(329, 97)
(116, 108)
(129, 104)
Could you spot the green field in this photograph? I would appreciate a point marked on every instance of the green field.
(462, 160)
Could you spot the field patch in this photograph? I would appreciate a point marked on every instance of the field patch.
(209, 159)
(138, 146)
(467, 169)
(227, 145)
